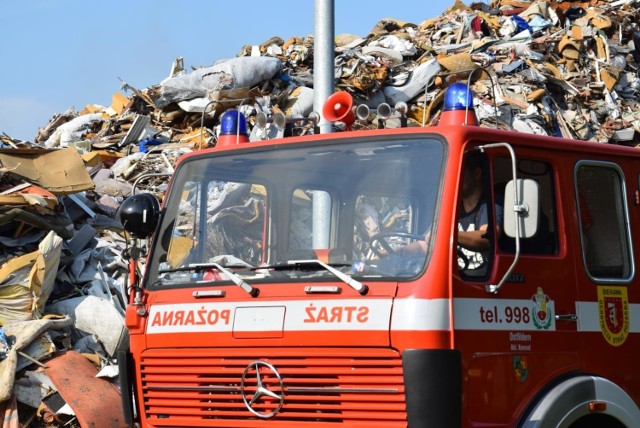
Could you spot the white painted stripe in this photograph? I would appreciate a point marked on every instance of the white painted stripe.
(421, 315)
(295, 315)
(266, 318)
(589, 316)
(338, 315)
(369, 315)
(634, 318)
(190, 317)
(502, 314)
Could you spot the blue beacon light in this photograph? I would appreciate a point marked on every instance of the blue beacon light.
(458, 106)
(458, 97)
(233, 128)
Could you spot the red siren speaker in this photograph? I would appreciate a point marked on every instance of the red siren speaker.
(338, 108)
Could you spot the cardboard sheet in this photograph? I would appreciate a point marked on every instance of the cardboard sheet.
(62, 172)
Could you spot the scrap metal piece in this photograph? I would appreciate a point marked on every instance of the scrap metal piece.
(139, 125)
(95, 401)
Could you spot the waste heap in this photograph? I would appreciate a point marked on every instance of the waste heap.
(563, 68)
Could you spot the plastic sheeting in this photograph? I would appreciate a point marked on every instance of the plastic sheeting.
(22, 334)
(227, 74)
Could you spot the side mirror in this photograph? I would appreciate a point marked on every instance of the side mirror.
(139, 215)
(524, 211)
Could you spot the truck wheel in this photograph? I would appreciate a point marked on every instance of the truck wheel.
(597, 421)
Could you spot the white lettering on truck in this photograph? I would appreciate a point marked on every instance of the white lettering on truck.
(296, 315)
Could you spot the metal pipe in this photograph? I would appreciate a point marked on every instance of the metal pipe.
(204, 110)
(323, 88)
(518, 208)
(279, 120)
(323, 58)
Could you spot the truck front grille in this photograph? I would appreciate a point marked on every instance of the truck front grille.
(282, 387)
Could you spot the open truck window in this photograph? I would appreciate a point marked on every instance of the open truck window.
(545, 241)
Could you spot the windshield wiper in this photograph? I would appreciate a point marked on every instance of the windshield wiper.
(197, 267)
(356, 285)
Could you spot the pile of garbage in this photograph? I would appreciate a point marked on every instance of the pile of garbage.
(564, 68)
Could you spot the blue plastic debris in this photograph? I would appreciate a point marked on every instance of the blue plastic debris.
(4, 344)
(144, 144)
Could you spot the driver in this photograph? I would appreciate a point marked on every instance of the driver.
(473, 221)
(474, 214)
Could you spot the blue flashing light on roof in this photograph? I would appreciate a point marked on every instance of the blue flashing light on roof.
(457, 107)
(233, 129)
(458, 97)
(233, 122)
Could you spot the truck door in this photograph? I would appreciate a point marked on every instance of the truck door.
(524, 335)
(605, 269)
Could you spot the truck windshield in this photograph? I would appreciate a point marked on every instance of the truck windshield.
(362, 206)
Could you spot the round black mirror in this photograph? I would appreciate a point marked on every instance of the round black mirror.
(139, 214)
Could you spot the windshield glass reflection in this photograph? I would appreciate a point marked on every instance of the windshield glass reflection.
(354, 206)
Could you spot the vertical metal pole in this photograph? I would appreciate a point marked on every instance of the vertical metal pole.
(323, 58)
(323, 87)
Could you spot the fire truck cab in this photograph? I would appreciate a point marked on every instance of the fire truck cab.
(322, 281)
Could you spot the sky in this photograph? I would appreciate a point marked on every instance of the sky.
(61, 54)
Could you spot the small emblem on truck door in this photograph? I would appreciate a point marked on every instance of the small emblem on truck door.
(613, 305)
(262, 389)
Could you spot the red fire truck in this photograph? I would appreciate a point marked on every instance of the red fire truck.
(278, 292)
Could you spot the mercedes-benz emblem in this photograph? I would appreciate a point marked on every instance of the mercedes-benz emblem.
(260, 394)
